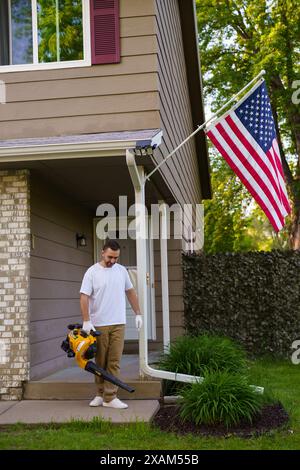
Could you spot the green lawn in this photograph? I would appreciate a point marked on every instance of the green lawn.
(282, 378)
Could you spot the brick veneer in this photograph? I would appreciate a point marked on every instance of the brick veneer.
(14, 282)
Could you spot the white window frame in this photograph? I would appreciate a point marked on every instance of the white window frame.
(86, 62)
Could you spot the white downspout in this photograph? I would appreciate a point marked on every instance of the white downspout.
(138, 179)
(164, 275)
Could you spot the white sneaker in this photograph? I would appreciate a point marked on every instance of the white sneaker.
(115, 403)
(97, 401)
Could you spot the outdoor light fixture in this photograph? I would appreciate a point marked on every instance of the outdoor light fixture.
(80, 239)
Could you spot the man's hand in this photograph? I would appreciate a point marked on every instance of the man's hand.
(138, 321)
(88, 326)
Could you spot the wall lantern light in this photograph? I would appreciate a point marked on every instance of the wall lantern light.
(81, 240)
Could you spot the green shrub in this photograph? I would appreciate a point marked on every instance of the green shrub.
(194, 354)
(222, 398)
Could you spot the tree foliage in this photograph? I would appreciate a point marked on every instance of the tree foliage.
(60, 24)
(239, 38)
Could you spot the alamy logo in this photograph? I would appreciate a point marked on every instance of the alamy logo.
(296, 354)
(129, 222)
(2, 92)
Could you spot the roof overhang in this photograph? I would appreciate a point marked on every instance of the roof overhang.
(78, 146)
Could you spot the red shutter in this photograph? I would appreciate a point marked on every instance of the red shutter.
(105, 31)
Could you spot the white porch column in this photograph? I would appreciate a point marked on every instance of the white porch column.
(138, 179)
(164, 274)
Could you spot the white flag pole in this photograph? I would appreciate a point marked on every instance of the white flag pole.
(205, 124)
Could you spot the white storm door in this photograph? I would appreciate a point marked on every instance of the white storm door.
(128, 259)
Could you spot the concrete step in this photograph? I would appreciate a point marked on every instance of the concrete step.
(43, 390)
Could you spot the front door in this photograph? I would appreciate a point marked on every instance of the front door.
(128, 259)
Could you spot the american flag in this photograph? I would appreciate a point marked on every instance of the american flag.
(246, 137)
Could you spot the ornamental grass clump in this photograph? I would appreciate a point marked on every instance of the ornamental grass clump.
(222, 398)
(194, 354)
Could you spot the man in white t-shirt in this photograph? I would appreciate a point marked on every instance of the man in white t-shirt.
(103, 308)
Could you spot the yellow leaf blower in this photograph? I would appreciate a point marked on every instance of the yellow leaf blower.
(83, 347)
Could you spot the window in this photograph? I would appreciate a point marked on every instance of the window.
(43, 34)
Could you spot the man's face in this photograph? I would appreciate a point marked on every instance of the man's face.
(110, 257)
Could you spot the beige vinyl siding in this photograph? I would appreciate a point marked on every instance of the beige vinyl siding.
(101, 98)
(57, 267)
(181, 171)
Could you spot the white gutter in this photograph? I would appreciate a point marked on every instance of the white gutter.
(65, 150)
(22, 150)
(139, 180)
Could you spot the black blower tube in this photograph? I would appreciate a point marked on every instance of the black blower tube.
(94, 369)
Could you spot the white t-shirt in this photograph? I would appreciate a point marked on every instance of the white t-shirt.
(106, 288)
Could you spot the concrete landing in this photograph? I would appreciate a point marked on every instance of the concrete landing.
(73, 383)
(40, 411)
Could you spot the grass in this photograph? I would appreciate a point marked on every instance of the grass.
(283, 378)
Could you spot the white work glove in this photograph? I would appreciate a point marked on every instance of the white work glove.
(88, 326)
(138, 321)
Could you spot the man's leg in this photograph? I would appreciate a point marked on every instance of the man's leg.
(115, 350)
(101, 355)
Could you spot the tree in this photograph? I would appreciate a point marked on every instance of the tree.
(68, 31)
(238, 38)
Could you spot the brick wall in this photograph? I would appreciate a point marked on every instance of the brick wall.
(14, 282)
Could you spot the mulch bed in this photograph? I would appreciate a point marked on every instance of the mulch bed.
(272, 417)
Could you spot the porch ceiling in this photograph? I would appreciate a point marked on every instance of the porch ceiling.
(92, 181)
(91, 169)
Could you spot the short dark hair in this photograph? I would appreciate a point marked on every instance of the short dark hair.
(112, 244)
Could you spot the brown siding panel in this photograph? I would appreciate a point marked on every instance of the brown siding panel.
(175, 289)
(81, 124)
(181, 171)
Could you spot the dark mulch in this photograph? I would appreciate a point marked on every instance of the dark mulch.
(271, 417)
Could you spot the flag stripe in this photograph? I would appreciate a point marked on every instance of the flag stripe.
(252, 160)
(253, 189)
(283, 193)
(278, 160)
(251, 170)
(279, 179)
(256, 151)
(281, 174)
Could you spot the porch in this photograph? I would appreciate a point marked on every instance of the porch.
(73, 383)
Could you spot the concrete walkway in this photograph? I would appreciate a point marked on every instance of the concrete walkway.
(62, 411)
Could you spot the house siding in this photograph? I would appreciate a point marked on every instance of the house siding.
(57, 267)
(101, 98)
(176, 307)
(181, 171)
